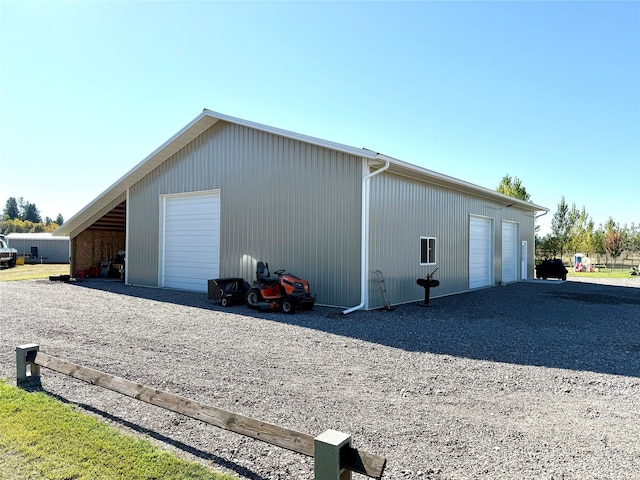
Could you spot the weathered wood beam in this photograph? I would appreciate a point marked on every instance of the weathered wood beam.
(351, 458)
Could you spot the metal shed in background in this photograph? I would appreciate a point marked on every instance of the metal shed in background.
(49, 249)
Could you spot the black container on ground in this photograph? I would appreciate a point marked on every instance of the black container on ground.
(228, 290)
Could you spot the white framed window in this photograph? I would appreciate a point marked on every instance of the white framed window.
(427, 250)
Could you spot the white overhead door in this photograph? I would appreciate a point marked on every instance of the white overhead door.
(191, 241)
(480, 252)
(509, 252)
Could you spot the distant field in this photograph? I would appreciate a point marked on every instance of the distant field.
(603, 273)
(29, 272)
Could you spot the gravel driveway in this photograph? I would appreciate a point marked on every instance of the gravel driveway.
(539, 379)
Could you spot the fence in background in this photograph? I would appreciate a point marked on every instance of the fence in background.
(334, 457)
(626, 260)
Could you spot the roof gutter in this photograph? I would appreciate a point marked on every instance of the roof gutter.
(364, 249)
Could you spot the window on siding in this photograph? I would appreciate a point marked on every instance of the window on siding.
(427, 251)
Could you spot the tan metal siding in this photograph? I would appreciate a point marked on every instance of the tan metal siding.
(403, 210)
(50, 250)
(294, 205)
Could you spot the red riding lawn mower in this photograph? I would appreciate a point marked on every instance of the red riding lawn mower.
(282, 291)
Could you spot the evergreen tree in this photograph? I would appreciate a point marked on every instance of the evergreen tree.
(598, 241)
(573, 219)
(31, 213)
(513, 188)
(611, 226)
(560, 226)
(59, 219)
(11, 208)
(634, 238)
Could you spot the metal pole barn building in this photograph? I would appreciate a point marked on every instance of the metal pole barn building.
(40, 247)
(224, 193)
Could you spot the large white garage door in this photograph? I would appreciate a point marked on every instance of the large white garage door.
(191, 253)
(480, 252)
(509, 252)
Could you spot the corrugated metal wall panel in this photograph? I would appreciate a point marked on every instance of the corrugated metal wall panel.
(294, 205)
(403, 210)
(50, 250)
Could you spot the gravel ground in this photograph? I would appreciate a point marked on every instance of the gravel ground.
(537, 379)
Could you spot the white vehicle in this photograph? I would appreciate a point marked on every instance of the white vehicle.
(7, 255)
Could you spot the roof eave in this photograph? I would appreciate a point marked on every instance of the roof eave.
(429, 176)
(340, 147)
(208, 118)
(189, 132)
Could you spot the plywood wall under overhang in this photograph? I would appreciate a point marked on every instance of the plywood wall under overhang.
(91, 247)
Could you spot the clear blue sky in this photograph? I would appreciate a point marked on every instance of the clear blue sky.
(545, 91)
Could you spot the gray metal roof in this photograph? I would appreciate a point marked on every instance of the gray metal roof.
(33, 236)
(208, 118)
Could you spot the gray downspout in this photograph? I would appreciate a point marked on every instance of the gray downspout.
(364, 248)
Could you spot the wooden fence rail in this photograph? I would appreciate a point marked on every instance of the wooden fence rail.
(334, 457)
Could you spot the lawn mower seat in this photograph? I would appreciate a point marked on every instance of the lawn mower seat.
(262, 273)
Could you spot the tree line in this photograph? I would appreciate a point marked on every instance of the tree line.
(574, 230)
(21, 216)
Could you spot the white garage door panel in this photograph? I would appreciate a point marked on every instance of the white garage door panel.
(509, 252)
(203, 252)
(480, 252)
(179, 222)
(191, 241)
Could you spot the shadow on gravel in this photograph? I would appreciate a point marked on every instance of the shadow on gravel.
(569, 325)
(216, 460)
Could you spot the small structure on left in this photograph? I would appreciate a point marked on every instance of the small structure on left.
(39, 247)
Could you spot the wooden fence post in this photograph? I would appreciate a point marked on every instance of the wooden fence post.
(326, 452)
(26, 370)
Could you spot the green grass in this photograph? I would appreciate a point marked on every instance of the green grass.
(604, 273)
(42, 438)
(30, 272)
